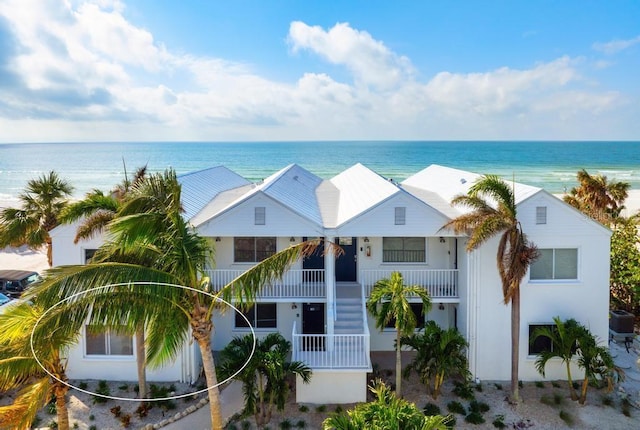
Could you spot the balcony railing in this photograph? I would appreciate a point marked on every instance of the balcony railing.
(439, 283)
(295, 283)
(336, 351)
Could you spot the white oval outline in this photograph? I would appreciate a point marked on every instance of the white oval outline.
(157, 399)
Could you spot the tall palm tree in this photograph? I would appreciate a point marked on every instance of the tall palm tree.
(387, 411)
(150, 228)
(20, 370)
(390, 302)
(264, 379)
(514, 255)
(440, 353)
(596, 196)
(564, 340)
(96, 211)
(40, 205)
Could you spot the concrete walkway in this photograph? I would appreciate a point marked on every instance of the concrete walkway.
(231, 402)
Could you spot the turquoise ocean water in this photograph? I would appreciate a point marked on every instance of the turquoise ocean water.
(551, 165)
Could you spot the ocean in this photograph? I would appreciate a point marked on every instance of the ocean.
(546, 164)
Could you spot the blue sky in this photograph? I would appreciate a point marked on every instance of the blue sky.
(105, 70)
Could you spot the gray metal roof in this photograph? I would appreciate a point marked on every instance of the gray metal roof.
(199, 188)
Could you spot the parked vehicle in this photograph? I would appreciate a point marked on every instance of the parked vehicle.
(13, 282)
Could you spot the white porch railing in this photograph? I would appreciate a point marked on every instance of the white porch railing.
(295, 283)
(326, 351)
(439, 283)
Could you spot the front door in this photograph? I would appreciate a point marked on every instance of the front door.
(346, 264)
(313, 323)
(315, 262)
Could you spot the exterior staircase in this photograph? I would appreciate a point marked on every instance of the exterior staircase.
(349, 317)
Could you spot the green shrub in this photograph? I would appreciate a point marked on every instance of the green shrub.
(83, 385)
(474, 418)
(554, 384)
(53, 425)
(478, 387)
(301, 424)
(93, 427)
(51, 408)
(463, 390)
(321, 409)
(103, 388)
(285, 424)
(123, 387)
(520, 384)
(456, 408)
(431, 409)
(476, 406)
(566, 417)
(338, 409)
(303, 408)
(626, 407)
(246, 425)
(607, 401)
(546, 400)
(558, 399)
(539, 384)
(498, 422)
(92, 417)
(498, 386)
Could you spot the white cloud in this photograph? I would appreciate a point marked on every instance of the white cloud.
(616, 46)
(82, 71)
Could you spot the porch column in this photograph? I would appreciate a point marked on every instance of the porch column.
(330, 279)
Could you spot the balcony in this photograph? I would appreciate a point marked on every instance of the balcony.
(440, 284)
(295, 284)
(331, 351)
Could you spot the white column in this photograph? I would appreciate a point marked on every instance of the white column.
(330, 279)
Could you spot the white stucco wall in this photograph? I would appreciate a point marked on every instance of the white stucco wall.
(585, 299)
(332, 387)
(65, 252)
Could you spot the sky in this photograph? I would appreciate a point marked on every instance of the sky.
(255, 70)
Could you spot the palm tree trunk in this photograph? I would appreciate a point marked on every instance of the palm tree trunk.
(212, 382)
(398, 364)
(572, 391)
(49, 251)
(62, 413)
(515, 345)
(141, 362)
(583, 392)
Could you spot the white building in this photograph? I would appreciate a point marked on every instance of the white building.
(383, 226)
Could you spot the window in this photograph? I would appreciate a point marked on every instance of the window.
(401, 216)
(542, 343)
(88, 255)
(417, 311)
(559, 263)
(541, 215)
(403, 250)
(260, 215)
(100, 342)
(261, 315)
(253, 249)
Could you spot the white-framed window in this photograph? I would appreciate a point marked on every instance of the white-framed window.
(107, 342)
(542, 343)
(260, 215)
(404, 250)
(253, 249)
(400, 217)
(541, 215)
(88, 255)
(555, 264)
(260, 315)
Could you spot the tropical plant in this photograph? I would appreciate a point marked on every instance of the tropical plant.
(493, 211)
(264, 379)
(597, 363)
(625, 267)
(40, 205)
(440, 354)
(95, 212)
(387, 411)
(150, 228)
(596, 196)
(564, 342)
(388, 302)
(20, 370)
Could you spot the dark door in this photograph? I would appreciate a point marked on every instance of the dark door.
(313, 323)
(346, 264)
(314, 261)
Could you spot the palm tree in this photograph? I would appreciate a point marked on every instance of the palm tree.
(515, 253)
(264, 379)
(596, 196)
(597, 363)
(564, 337)
(20, 370)
(96, 211)
(389, 302)
(150, 229)
(40, 206)
(386, 412)
(440, 353)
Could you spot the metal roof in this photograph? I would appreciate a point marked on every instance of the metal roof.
(199, 188)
